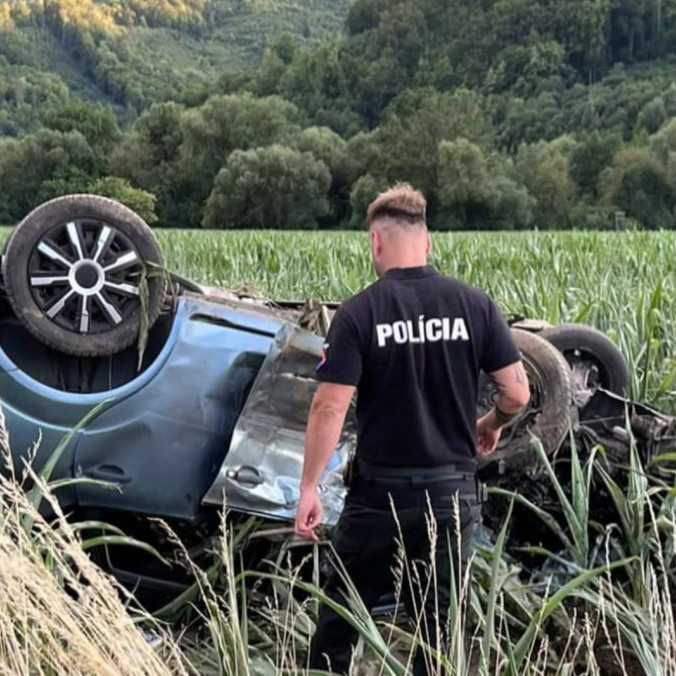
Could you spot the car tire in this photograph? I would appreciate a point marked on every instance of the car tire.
(593, 357)
(73, 272)
(549, 414)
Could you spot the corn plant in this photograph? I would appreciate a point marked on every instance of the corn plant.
(574, 534)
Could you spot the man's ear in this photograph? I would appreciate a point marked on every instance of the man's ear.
(376, 242)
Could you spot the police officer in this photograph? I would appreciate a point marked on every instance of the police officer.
(412, 345)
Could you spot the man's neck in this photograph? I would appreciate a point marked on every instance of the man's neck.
(404, 263)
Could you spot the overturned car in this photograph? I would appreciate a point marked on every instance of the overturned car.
(203, 395)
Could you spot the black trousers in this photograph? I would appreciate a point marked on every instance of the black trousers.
(367, 539)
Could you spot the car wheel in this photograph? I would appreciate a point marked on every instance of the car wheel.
(549, 413)
(81, 272)
(594, 359)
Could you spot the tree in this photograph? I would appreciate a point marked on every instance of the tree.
(272, 187)
(149, 158)
(365, 189)
(224, 124)
(95, 122)
(663, 143)
(40, 166)
(140, 201)
(527, 71)
(317, 83)
(637, 183)
(414, 125)
(476, 192)
(364, 15)
(544, 169)
(274, 64)
(593, 153)
(331, 149)
(6, 20)
(652, 116)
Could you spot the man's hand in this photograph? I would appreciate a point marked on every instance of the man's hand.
(327, 415)
(487, 434)
(309, 515)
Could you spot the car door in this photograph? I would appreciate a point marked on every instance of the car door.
(262, 470)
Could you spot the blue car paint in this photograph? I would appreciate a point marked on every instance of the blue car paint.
(163, 436)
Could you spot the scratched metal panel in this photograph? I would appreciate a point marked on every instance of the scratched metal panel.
(262, 470)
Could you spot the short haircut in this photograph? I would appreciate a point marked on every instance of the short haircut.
(401, 203)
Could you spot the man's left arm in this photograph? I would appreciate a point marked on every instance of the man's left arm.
(327, 415)
(339, 373)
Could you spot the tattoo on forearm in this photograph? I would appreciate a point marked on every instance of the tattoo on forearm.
(500, 387)
(503, 418)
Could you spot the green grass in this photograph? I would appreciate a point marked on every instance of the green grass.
(623, 283)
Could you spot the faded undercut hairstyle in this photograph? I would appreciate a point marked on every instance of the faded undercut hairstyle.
(402, 204)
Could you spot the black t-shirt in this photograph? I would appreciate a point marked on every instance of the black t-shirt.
(414, 344)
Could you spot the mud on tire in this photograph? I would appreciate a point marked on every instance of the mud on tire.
(549, 413)
(73, 271)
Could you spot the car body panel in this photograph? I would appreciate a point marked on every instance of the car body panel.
(262, 470)
(161, 437)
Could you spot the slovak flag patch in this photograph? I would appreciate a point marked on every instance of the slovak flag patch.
(325, 356)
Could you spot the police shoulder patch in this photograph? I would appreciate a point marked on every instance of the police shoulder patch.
(325, 356)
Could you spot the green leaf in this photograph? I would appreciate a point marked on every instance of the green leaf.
(523, 647)
(496, 584)
(123, 540)
(546, 518)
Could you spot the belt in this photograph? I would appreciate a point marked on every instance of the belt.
(416, 475)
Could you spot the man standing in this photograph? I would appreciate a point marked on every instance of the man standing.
(412, 345)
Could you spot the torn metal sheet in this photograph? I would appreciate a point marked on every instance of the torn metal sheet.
(262, 469)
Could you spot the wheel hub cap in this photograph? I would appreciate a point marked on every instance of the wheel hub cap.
(85, 276)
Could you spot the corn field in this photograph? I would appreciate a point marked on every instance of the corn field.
(622, 283)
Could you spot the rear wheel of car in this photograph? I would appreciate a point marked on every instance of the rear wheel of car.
(84, 275)
(549, 414)
(594, 359)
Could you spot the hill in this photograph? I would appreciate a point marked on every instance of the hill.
(130, 54)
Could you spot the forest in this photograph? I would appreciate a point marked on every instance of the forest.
(509, 114)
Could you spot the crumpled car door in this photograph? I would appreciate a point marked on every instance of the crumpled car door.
(262, 469)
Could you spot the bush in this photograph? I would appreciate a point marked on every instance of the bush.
(273, 187)
(140, 201)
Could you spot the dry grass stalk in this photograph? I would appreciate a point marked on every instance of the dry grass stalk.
(60, 613)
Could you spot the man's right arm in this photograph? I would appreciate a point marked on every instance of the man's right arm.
(513, 395)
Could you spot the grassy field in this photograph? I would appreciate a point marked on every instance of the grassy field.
(623, 283)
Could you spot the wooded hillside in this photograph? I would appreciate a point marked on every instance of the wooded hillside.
(507, 113)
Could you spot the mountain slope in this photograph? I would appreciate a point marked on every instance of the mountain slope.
(133, 53)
